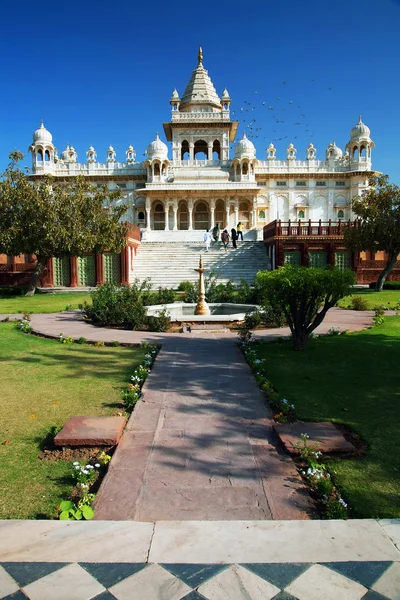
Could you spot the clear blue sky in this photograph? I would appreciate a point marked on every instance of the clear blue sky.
(101, 73)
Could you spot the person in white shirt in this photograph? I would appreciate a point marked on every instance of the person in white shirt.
(207, 239)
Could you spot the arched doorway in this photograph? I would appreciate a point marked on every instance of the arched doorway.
(159, 217)
(244, 215)
(219, 215)
(183, 216)
(201, 216)
(200, 150)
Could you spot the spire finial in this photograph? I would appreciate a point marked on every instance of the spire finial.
(360, 119)
(200, 55)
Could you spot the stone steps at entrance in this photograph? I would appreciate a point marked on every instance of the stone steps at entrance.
(167, 264)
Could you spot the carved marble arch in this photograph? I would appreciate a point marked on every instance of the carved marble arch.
(200, 148)
(183, 215)
(216, 150)
(158, 215)
(363, 150)
(39, 154)
(47, 155)
(156, 168)
(219, 215)
(201, 215)
(185, 154)
(244, 214)
(245, 167)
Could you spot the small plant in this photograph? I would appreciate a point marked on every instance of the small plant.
(336, 508)
(115, 343)
(65, 339)
(379, 317)
(99, 344)
(68, 307)
(308, 452)
(81, 340)
(253, 319)
(245, 335)
(69, 511)
(5, 320)
(85, 474)
(359, 303)
(104, 458)
(24, 325)
(333, 331)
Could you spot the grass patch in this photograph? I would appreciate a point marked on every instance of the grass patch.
(42, 303)
(352, 380)
(386, 297)
(43, 383)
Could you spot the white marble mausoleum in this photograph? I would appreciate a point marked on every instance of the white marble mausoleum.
(192, 181)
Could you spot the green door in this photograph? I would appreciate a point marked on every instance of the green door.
(318, 259)
(111, 268)
(342, 260)
(61, 272)
(87, 270)
(292, 258)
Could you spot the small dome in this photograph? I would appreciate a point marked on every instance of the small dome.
(157, 149)
(360, 130)
(245, 148)
(333, 151)
(175, 95)
(225, 94)
(91, 149)
(110, 149)
(42, 135)
(69, 154)
(130, 149)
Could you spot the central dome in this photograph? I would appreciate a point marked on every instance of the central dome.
(200, 90)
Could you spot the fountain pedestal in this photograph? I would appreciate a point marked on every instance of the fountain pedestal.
(202, 306)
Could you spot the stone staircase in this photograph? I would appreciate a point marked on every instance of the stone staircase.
(167, 264)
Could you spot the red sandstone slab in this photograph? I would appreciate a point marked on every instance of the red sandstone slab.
(91, 431)
(329, 438)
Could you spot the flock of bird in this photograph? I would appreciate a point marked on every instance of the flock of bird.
(286, 117)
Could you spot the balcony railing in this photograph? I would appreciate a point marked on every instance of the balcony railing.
(306, 228)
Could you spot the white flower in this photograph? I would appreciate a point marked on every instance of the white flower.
(342, 502)
(75, 463)
(77, 467)
(97, 465)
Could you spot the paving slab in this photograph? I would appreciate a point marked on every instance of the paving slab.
(323, 434)
(91, 431)
(203, 423)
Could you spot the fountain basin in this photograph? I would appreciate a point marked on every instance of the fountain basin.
(221, 312)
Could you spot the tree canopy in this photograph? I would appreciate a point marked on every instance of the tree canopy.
(305, 295)
(49, 218)
(378, 228)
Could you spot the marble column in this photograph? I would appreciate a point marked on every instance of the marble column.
(190, 208)
(148, 211)
(209, 148)
(175, 207)
(236, 213)
(227, 216)
(166, 214)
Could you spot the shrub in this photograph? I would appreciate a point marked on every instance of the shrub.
(272, 316)
(388, 285)
(190, 290)
(252, 319)
(245, 294)
(123, 306)
(81, 340)
(164, 296)
(359, 303)
(115, 343)
(159, 322)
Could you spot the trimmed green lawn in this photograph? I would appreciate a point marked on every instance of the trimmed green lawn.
(352, 380)
(43, 383)
(41, 303)
(386, 297)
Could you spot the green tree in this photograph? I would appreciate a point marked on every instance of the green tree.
(49, 218)
(378, 227)
(304, 294)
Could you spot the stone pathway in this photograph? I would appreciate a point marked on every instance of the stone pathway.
(200, 444)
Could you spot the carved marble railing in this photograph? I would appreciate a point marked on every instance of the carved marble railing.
(200, 116)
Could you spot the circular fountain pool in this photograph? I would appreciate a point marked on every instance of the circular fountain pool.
(219, 312)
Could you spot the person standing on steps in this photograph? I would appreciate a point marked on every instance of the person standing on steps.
(234, 237)
(239, 229)
(225, 239)
(207, 239)
(215, 232)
